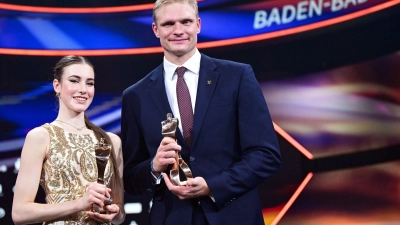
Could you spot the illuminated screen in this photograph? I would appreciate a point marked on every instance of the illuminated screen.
(127, 30)
(348, 119)
(346, 109)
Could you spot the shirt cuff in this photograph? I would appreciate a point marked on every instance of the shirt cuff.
(212, 197)
(156, 178)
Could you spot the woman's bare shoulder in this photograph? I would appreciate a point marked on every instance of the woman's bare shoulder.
(38, 133)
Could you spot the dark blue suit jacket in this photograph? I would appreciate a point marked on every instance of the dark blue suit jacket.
(234, 146)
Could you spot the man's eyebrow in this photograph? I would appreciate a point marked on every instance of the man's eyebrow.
(166, 22)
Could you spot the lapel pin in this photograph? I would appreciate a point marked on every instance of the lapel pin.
(209, 82)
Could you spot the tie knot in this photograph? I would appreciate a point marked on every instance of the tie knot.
(180, 71)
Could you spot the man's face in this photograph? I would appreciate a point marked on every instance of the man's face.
(177, 27)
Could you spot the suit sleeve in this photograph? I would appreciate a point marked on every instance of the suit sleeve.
(260, 156)
(137, 177)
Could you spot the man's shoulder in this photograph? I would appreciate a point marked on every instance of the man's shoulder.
(223, 62)
(142, 83)
(137, 85)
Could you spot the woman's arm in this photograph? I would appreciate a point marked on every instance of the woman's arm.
(25, 210)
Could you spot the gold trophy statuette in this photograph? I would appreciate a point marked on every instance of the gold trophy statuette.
(102, 152)
(169, 130)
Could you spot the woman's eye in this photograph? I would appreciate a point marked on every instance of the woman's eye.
(74, 81)
(90, 84)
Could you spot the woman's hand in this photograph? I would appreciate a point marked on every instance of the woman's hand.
(105, 218)
(95, 194)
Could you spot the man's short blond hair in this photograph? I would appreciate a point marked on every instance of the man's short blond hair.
(160, 3)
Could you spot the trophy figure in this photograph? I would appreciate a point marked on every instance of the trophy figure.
(102, 152)
(168, 130)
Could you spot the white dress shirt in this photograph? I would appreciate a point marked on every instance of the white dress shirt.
(191, 77)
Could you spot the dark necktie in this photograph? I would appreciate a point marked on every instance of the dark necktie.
(185, 106)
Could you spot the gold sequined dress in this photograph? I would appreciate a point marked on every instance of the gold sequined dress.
(69, 167)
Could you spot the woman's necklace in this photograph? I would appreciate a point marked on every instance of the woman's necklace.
(78, 128)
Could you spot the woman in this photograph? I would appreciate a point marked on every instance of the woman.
(60, 156)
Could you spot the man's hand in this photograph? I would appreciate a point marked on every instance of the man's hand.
(196, 187)
(166, 154)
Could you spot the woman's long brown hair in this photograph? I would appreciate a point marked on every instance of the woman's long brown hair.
(98, 132)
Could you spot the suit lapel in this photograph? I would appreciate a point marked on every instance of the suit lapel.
(207, 81)
(156, 89)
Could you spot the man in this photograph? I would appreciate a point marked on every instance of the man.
(229, 144)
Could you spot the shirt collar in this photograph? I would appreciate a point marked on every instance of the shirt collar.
(192, 64)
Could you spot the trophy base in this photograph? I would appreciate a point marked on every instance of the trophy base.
(97, 209)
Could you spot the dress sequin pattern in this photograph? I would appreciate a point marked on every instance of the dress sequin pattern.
(69, 167)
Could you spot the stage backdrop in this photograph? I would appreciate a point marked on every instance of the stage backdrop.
(328, 70)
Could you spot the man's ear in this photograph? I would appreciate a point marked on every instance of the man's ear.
(198, 25)
(155, 29)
